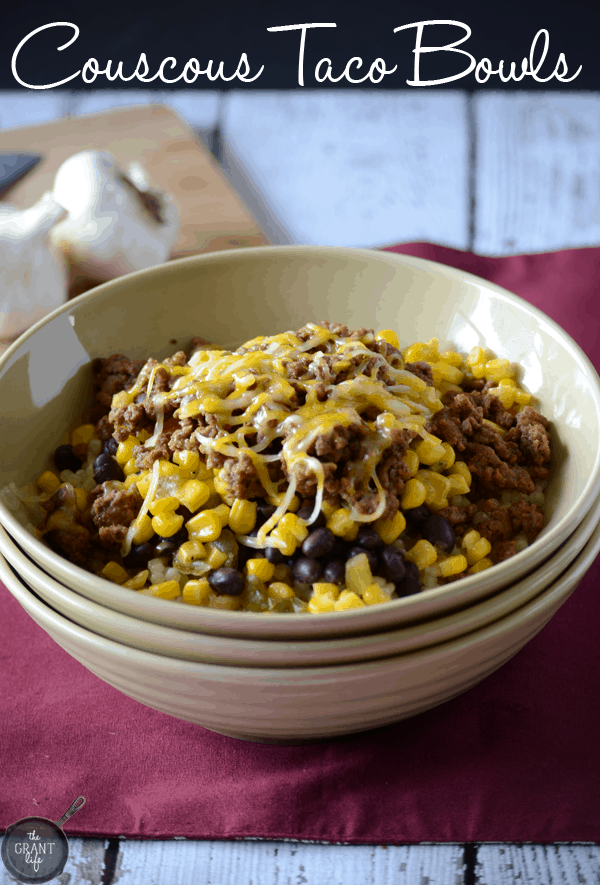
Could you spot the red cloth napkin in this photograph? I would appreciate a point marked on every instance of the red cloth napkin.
(514, 759)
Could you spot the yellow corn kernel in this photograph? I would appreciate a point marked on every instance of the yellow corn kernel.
(413, 495)
(323, 588)
(447, 461)
(81, 498)
(121, 399)
(216, 558)
(452, 358)
(48, 482)
(358, 574)
(165, 590)
(223, 511)
(480, 566)
(389, 336)
(505, 394)
(283, 540)
(131, 480)
(437, 488)
(162, 505)
(125, 450)
(279, 590)
(429, 450)
(166, 468)
(296, 526)
(196, 592)
(143, 529)
(476, 356)
(458, 485)
(475, 546)
(83, 434)
(522, 397)
(114, 572)
(143, 435)
(340, 522)
(261, 568)
(347, 600)
(193, 494)
(461, 468)
(497, 369)
(319, 604)
(454, 565)
(130, 467)
(138, 581)
(422, 554)
(374, 595)
(412, 461)
(187, 459)
(143, 484)
(223, 489)
(225, 603)
(167, 524)
(470, 539)
(507, 382)
(242, 516)
(478, 370)
(205, 526)
(417, 352)
(448, 372)
(328, 509)
(190, 551)
(389, 529)
(64, 522)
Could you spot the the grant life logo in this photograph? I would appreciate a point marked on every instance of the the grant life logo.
(36, 849)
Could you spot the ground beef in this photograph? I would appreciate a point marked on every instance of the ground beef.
(526, 517)
(460, 518)
(129, 421)
(422, 370)
(113, 511)
(110, 376)
(75, 546)
(532, 436)
(497, 526)
(504, 550)
(241, 478)
(145, 458)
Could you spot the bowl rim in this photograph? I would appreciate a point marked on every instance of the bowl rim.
(449, 595)
(557, 592)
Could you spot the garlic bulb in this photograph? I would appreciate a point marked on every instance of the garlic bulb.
(116, 222)
(33, 276)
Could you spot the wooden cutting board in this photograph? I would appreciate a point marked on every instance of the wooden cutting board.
(212, 215)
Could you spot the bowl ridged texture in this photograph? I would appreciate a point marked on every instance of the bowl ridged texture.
(248, 651)
(279, 704)
(230, 297)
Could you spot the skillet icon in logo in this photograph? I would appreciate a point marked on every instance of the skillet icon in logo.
(35, 849)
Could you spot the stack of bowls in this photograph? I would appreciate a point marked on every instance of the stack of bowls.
(297, 677)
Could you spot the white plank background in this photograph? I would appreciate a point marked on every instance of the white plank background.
(499, 173)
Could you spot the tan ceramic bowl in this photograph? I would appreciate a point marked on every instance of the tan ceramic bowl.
(250, 652)
(231, 296)
(279, 704)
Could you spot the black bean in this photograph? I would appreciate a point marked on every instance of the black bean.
(393, 564)
(335, 572)
(370, 554)
(340, 549)
(274, 555)
(368, 538)
(305, 513)
(411, 583)
(438, 531)
(263, 512)
(106, 468)
(183, 511)
(139, 555)
(320, 542)
(168, 546)
(244, 554)
(226, 581)
(110, 446)
(417, 516)
(306, 570)
(66, 459)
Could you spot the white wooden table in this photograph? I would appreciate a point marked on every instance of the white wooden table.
(497, 173)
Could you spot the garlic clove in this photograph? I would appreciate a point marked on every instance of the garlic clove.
(33, 276)
(117, 222)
